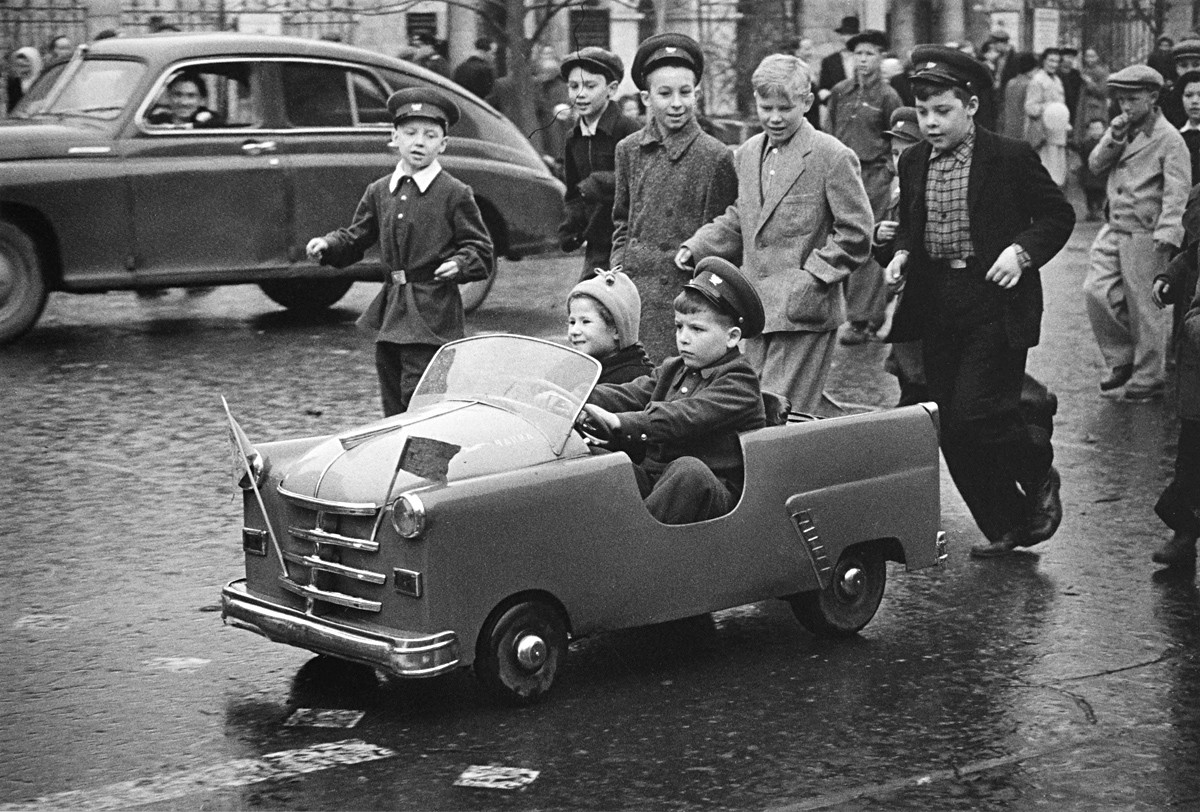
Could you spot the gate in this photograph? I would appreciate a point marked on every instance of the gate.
(1121, 31)
(34, 22)
(331, 19)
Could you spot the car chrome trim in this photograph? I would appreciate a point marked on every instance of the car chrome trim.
(817, 554)
(313, 562)
(402, 654)
(89, 150)
(313, 503)
(942, 548)
(337, 598)
(317, 536)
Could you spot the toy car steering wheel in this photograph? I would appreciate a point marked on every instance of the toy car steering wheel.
(594, 432)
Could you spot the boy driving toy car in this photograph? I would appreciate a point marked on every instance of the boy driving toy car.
(689, 411)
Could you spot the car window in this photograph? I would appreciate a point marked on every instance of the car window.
(322, 95)
(208, 95)
(99, 89)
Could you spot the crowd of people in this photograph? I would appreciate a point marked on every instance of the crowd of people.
(891, 241)
(712, 276)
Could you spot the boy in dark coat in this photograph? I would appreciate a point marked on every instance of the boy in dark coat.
(431, 237)
(592, 76)
(687, 414)
(979, 215)
(671, 179)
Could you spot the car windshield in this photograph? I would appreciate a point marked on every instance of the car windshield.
(99, 89)
(545, 383)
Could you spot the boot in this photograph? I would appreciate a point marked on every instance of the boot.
(1180, 551)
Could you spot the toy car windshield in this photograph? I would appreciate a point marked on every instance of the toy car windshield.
(545, 383)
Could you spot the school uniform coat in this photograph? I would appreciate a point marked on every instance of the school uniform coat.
(1010, 199)
(416, 233)
(797, 245)
(667, 186)
(676, 411)
(589, 168)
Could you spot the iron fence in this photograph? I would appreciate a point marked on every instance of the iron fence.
(35, 22)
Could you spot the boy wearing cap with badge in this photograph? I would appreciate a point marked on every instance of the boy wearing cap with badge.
(431, 239)
(672, 178)
(687, 414)
(592, 76)
(801, 225)
(979, 215)
(860, 109)
(1149, 176)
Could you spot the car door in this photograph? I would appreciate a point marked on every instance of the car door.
(210, 195)
(338, 131)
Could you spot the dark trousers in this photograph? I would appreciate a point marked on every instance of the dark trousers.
(686, 491)
(976, 377)
(1180, 502)
(400, 367)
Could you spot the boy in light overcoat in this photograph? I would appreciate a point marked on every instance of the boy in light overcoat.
(800, 226)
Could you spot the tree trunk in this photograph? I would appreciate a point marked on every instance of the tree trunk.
(524, 114)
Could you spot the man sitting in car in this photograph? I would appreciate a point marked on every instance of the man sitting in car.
(185, 107)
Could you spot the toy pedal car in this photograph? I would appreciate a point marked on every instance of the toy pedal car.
(481, 529)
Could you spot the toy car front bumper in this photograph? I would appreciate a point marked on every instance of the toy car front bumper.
(399, 653)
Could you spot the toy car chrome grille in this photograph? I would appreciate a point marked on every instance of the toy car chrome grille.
(320, 531)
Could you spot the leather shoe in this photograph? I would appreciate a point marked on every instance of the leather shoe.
(1143, 395)
(1045, 509)
(1117, 377)
(1180, 551)
(1001, 546)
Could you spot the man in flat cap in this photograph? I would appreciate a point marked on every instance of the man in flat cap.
(687, 413)
(979, 215)
(1149, 176)
(672, 178)
(860, 109)
(589, 156)
(431, 239)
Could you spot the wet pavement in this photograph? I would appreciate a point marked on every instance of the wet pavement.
(1062, 678)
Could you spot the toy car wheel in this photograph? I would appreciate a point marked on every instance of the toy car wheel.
(22, 288)
(849, 602)
(519, 652)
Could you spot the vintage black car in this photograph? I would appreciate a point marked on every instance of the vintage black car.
(104, 190)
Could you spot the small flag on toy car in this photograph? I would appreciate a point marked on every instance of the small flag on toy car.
(427, 458)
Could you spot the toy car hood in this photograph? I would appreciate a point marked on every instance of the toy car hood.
(441, 443)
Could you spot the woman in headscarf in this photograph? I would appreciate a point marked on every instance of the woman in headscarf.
(26, 65)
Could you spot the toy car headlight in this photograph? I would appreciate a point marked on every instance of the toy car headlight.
(408, 516)
(257, 467)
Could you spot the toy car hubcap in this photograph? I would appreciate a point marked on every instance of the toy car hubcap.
(853, 581)
(531, 652)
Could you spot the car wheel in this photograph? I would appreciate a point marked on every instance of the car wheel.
(519, 652)
(306, 295)
(849, 602)
(473, 293)
(22, 287)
